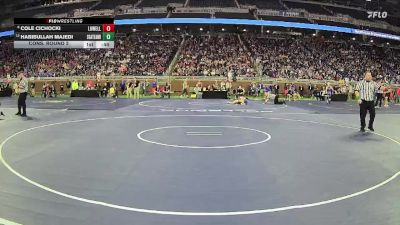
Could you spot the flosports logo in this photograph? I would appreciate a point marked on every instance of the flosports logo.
(376, 14)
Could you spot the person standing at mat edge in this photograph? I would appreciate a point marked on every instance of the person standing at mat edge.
(23, 92)
(367, 89)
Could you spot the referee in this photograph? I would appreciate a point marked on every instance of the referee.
(23, 92)
(367, 89)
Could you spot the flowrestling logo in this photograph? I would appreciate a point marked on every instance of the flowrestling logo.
(376, 14)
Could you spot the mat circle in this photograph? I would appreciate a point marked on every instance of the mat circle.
(139, 135)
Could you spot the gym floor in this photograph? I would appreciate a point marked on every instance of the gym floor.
(182, 162)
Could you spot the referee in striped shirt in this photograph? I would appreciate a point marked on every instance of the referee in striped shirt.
(23, 92)
(367, 89)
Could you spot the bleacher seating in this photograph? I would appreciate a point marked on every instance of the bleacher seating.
(137, 54)
(262, 4)
(111, 4)
(221, 55)
(282, 56)
(312, 8)
(155, 3)
(212, 3)
(318, 58)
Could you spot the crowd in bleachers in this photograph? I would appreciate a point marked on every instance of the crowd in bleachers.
(134, 55)
(312, 58)
(214, 56)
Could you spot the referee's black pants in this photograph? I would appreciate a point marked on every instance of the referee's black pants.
(22, 103)
(364, 107)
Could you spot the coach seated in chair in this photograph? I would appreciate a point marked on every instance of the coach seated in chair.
(166, 91)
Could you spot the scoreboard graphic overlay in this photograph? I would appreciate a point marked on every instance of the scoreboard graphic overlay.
(42, 33)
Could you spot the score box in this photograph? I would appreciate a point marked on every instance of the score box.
(43, 33)
(108, 36)
(108, 28)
